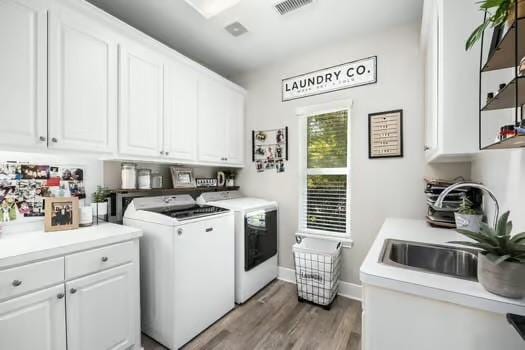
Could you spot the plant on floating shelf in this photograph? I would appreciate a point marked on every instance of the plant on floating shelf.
(498, 11)
(501, 261)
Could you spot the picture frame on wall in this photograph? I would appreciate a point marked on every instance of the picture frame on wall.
(61, 214)
(385, 134)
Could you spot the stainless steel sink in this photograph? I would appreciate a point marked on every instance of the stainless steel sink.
(434, 258)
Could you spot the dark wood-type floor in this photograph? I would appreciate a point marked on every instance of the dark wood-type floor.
(274, 319)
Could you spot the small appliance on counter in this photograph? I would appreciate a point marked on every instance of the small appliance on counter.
(444, 217)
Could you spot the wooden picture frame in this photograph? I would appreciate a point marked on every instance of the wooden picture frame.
(182, 177)
(385, 134)
(61, 213)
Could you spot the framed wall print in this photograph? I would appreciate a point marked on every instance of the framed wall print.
(385, 134)
(61, 213)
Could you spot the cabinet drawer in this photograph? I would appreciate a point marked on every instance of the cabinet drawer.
(30, 277)
(95, 260)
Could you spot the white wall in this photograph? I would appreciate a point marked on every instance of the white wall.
(503, 171)
(380, 188)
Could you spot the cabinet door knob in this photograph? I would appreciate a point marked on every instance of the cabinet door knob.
(16, 283)
(179, 231)
(72, 291)
(104, 259)
(426, 148)
(209, 229)
(161, 152)
(42, 138)
(54, 139)
(166, 153)
(60, 295)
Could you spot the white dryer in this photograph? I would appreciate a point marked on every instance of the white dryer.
(255, 240)
(187, 266)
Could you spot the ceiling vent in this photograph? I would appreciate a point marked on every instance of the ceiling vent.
(287, 6)
(236, 29)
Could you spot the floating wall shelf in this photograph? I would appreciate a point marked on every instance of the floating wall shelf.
(503, 57)
(508, 52)
(506, 98)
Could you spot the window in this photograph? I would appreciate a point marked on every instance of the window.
(325, 170)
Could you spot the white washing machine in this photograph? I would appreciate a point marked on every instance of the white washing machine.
(187, 266)
(255, 240)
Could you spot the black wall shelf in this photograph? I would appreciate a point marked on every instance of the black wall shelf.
(503, 56)
(506, 98)
(507, 53)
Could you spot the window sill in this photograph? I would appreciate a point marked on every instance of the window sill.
(346, 240)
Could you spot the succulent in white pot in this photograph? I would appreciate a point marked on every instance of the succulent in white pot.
(468, 218)
(501, 260)
(99, 206)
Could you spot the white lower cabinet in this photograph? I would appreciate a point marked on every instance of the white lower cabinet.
(101, 310)
(101, 307)
(34, 321)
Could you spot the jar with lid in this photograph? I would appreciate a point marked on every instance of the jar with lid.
(128, 173)
(144, 179)
(156, 180)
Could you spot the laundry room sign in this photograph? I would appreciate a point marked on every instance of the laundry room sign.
(344, 76)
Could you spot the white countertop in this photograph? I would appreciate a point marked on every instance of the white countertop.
(429, 285)
(22, 247)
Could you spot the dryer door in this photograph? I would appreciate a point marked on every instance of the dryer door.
(260, 237)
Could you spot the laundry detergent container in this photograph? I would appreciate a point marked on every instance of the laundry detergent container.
(317, 270)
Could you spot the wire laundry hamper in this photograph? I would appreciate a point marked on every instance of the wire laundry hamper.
(317, 270)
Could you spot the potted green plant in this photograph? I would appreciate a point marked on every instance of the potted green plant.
(498, 11)
(99, 206)
(468, 218)
(501, 261)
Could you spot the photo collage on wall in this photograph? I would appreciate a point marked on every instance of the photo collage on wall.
(24, 186)
(270, 149)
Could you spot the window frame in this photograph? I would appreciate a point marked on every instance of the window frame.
(303, 113)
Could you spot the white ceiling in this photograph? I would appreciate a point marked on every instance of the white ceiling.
(270, 38)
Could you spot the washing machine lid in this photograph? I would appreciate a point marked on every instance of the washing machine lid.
(245, 203)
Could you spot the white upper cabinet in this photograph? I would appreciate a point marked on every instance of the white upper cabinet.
(451, 80)
(180, 113)
(220, 123)
(235, 128)
(23, 73)
(102, 311)
(141, 88)
(34, 321)
(82, 83)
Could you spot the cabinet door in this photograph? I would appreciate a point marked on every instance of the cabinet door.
(180, 115)
(235, 129)
(23, 70)
(432, 84)
(141, 101)
(34, 321)
(82, 83)
(211, 270)
(213, 106)
(102, 310)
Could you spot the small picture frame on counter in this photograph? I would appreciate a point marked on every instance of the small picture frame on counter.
(182, 177)
(61, 214)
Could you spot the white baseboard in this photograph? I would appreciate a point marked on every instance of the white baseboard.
(346, 289)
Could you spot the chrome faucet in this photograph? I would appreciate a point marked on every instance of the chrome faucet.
(446, 191)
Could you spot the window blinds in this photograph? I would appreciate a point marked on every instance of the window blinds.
(326, 175)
